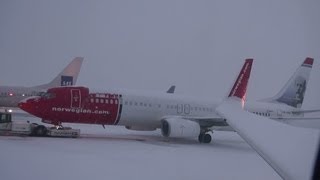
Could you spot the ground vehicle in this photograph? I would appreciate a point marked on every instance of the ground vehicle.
(9, 127)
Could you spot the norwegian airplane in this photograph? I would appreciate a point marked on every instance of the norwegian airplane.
(293, 152)
(288, 104)
(10, 96)
(176, 116)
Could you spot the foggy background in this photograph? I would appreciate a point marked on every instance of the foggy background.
(149, 45)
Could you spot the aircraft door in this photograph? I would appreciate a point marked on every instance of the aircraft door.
(279, 114)
(75, 98)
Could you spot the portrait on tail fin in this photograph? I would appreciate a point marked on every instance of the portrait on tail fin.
(292, 93)
(295, 94)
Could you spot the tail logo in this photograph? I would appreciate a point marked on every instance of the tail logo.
(293, 92)
(66, 80)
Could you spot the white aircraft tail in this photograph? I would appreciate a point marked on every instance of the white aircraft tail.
(67, 77)
(293, 91)
(312, 95)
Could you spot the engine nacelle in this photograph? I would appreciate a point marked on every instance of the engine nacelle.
(179, 128)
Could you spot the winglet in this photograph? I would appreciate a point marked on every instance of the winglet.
(308, 61)
(171, 89)
(240, 86)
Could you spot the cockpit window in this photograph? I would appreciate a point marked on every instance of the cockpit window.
(48, 95)
(40, 93)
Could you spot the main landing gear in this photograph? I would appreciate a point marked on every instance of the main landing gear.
(39, 131)
(205, 137)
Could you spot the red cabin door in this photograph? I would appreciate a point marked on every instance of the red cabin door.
(75, 98)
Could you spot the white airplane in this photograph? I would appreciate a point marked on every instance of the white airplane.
(10, 96)
(288, 103)
(293, 152)
(176, 116)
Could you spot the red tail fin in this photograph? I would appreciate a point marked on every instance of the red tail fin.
(240, 86)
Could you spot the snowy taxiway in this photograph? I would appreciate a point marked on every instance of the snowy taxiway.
(116, 153)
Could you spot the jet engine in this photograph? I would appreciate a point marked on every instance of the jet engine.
(179, 128)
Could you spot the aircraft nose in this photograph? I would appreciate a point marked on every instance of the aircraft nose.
(29, 105)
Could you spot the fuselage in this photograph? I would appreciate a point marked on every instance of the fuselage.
(272, 110)
(137, 110)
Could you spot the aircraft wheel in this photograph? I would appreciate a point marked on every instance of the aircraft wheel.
(40, 131)
(204, 138)
(207, 138)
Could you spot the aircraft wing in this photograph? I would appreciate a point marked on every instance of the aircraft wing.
(306, 111)
(297, 118)
(290, 151)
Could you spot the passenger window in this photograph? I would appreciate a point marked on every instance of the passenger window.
(115, 101)
(111, 101)
(101, 100)
(97, 100)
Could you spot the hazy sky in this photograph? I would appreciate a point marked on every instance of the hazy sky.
(149, 45)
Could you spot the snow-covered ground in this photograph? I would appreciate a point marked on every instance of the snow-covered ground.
(116, 153)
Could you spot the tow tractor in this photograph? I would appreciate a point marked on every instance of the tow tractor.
(17, 128)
